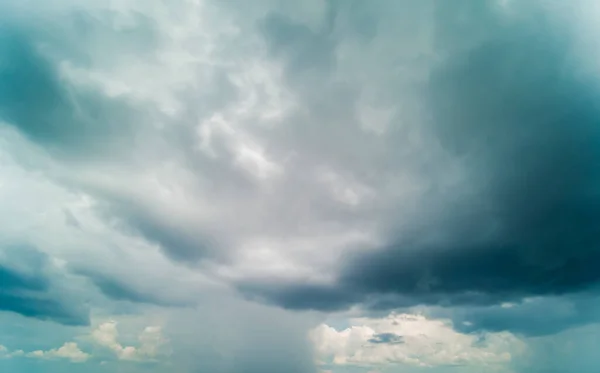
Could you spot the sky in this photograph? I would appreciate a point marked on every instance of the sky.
(316, 186)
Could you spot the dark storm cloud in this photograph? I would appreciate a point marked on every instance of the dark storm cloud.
(299, 296)
(512, 104)
(526, 124)
(26, 289)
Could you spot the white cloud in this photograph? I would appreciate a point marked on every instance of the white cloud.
(59, 221)
(230, 149)
(249, 174)
(69, 351)
(17, 353)
(224, 151)
(150, 347)
(411, 340)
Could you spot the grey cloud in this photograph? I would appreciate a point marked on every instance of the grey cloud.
(499, 95)
(304, 49)
(515, 108)
(27, 289)
(11, 280)
(508, 99)
(533, 317)
(39, 102)
(179, 240)
(298, 296)
(44, 308)
(117, 289)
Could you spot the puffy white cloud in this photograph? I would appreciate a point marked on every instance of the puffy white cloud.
(413, 340)
(151, 342)
(69, 351)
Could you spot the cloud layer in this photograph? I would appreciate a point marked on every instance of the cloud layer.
(300, 161)
(412, 340)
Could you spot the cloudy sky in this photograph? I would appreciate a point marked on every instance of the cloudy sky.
(315, 186)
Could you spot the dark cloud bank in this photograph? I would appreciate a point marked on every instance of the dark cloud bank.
(517, 110)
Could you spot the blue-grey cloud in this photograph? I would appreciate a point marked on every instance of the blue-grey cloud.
(525, 121)
(532, 317)
(299, 296)
(11, 280)
(304, 50)
(69, 120)
(500, 94)
(513, 104)
(27, 289)
(119, 290)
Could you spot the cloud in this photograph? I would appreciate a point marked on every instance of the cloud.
(29, 289)
(500, 213)
(533, 317)
(63, 117)
(117, 290)
(526, 228)
(412, 340)
(69, 351)
(318, 155)
(151, 342)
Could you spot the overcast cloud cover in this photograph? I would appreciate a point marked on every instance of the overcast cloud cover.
(299, 186)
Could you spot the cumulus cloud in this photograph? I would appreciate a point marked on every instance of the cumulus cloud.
(152, 346)
(69, 351)
(151, 342)
(412, 340)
